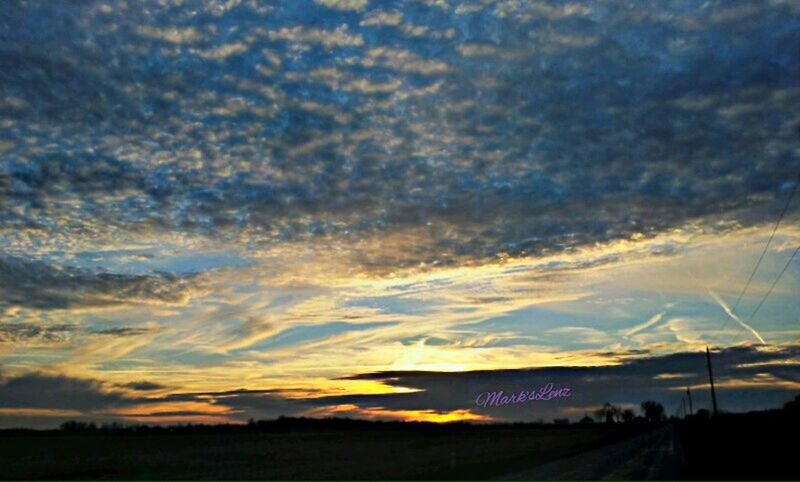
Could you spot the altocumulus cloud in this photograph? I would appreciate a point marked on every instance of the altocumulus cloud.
(36, 284)
(513, 127)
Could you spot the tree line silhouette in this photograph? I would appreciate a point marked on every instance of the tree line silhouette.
(651, 412)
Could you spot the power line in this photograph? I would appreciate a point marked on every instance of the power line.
(761, 258)
(769, 292)
(732, 313)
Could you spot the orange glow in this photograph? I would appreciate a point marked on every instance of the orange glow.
(380, 413)
(38, 412)
(757, 381)
(176, 419)
(204, 409)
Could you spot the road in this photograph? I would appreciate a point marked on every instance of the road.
(654, 455)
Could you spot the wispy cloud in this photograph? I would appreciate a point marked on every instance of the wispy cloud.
(653, 320)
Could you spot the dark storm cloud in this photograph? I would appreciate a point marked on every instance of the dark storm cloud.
(39, 390)
(94, 398)
(35, 284)
(143, 386)
(257, 404)
(517, 127)
(660, 378)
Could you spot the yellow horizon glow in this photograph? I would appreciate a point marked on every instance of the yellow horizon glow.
(380, 413)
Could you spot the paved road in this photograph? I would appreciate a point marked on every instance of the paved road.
(651, 456)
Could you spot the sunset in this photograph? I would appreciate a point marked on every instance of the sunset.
(220, 212)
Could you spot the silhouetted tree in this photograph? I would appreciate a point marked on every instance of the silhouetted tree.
(702, 414)
(653, 411)
(608, 413)
(112, 427)
(628, 415)
(75, 426)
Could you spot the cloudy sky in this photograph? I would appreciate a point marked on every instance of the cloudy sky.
(212, 210)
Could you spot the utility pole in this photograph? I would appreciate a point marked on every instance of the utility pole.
(711, 380)
(689, 394)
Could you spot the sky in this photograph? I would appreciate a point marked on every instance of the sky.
(217, 210)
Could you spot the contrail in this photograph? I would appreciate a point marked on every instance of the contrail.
(733, 315)
(647, 324)
(642, 326)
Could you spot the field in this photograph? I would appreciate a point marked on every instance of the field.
(398, 453)
(754, 446)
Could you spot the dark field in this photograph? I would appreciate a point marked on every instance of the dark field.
(751, 446)
(459, 452)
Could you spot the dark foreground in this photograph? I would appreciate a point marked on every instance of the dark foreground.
(754, 446)
(453, 452)
(653, 455)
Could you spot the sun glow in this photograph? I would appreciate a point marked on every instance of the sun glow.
(381, 413)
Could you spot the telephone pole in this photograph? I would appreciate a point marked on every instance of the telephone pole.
(711, 380)
(689, 395)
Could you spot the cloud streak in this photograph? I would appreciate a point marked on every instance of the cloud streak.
(652, 321)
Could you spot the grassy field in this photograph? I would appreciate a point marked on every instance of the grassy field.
(458, 452)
